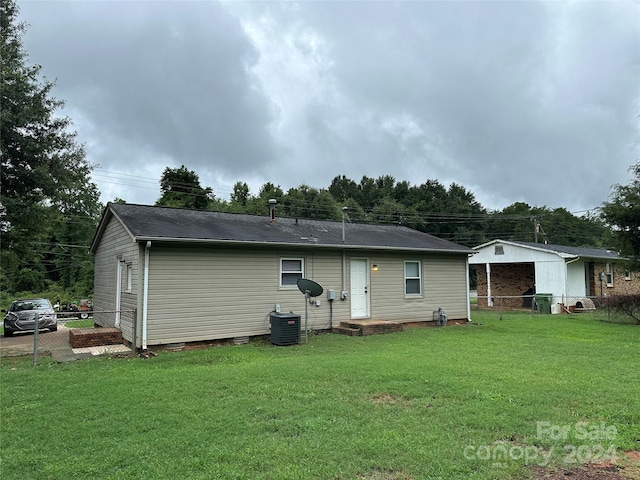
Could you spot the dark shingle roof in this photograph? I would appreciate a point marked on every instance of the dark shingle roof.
(173, 224)
(584, 252)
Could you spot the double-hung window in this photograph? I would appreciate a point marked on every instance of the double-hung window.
(291, 270)
(412, 277)
(609, 275)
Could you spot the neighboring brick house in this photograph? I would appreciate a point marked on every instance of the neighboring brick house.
(507, 272)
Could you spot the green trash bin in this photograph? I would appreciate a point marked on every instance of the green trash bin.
(543, 302)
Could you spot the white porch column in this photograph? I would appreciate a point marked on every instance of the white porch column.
(489, 299)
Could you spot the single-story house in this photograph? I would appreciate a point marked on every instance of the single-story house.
(515, 270)
(189, 275)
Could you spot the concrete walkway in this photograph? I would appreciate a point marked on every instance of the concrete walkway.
(56, 344)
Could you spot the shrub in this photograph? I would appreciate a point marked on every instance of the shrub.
(628, 305)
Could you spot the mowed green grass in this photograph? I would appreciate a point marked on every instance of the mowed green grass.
(79, 323)
(424, 403)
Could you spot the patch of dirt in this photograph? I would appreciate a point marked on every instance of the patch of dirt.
(387, 399)
(385, 475)
(384, 399)
(627, 468)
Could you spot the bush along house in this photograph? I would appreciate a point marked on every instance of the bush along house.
(194, 276)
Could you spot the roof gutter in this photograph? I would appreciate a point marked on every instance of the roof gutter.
(303, 245)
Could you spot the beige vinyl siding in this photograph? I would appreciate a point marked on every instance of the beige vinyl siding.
(115, 243)
(326, 269)
(205, 293)
(444, 284)
(199, 293)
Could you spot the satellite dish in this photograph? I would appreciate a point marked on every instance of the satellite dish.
(309, 287)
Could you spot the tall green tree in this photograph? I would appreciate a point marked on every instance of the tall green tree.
(269, 191)
(522, 222)
(622, 212)
(181, 188)
(389, 210)
(309, 202)
(240, 195)
(342, 188)
(71, 229)
(43, 165)
(260, 205)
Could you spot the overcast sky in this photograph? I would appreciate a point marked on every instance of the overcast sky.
(536, 102)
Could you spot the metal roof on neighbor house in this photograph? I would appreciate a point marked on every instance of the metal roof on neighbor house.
(181, 225)
(563, 250)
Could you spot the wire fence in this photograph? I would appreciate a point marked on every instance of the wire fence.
(83, 334)
(69, 336)
(544, 303)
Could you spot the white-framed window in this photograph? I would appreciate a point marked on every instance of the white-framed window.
(291, 270)
(412, 277)
(627, 274)
(129, 278)
(608, 274)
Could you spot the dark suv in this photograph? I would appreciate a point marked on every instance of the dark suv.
(22, 314)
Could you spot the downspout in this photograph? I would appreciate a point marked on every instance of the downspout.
(468, 291)
(566, 279)
(343, 293)
(145, 295)
(116, 323)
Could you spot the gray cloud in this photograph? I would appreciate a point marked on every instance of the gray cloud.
(517, 101)
(160, 80)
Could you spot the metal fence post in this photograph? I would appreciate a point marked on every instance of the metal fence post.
(35, 339)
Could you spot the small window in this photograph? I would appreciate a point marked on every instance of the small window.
(412, 278)
(627, 274)
(291, 270)
(498, 250)
(609, 275)
(129, 277)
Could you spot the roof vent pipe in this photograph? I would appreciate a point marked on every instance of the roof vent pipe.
(345, 209)
(272, 210)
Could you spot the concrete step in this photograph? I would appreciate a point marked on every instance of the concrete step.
(372, 327)
(343, 330)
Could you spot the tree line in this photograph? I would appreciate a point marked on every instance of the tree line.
(449, 212)
(49, 207)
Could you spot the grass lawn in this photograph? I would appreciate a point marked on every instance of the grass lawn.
(79, 323)
(424, 403)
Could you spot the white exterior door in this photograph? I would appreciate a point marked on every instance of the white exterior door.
(359, 288)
